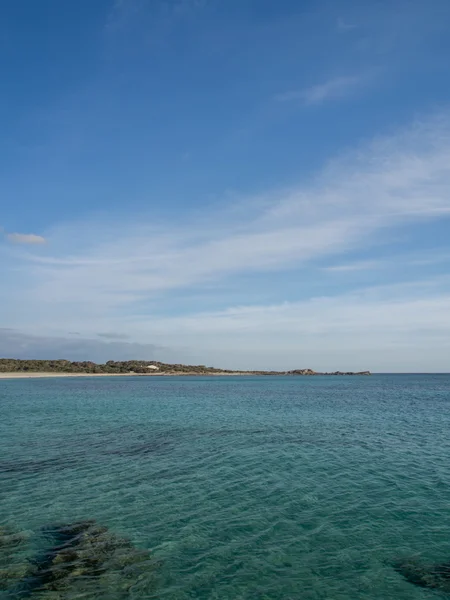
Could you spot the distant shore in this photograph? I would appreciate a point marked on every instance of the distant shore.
(13, 368)
(40, 374)
(44, 375)
(22, 375)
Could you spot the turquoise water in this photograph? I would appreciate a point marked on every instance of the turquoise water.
(242, 488)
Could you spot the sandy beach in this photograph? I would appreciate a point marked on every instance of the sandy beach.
(21, 375)
(39, 375)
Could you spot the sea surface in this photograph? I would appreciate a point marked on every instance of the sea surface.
(255, 488)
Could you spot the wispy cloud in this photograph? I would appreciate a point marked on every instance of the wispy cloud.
(361, 265)
(384, 328)
(337, 87)
(384, 307)
(117, 277)
(393, 181)
(25, 238)
(399, 261)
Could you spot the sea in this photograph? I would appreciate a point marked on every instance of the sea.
(239, 488)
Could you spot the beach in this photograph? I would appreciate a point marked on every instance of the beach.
(20, 375)
(35, 375)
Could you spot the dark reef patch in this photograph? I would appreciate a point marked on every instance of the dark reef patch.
(84, 559)
(431, 576)
(13, 562)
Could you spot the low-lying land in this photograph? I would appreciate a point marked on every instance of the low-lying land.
(12, 368)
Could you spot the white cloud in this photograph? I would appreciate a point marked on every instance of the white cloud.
(337, 87)
(399, 261)
(106, 276)
(362, 265)
(397, 309)
(25, 238)
(402, 327)
(384, 328)
(392, 182)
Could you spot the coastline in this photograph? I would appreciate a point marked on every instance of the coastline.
(37, 369)
(43, 374)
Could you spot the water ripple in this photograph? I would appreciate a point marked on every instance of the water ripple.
(262, 489)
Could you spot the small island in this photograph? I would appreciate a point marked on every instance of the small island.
(16, 368)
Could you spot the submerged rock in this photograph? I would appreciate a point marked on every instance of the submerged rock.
(89, 558)
(14, 565)
(428, 576)
(10, 539)
(84, 560)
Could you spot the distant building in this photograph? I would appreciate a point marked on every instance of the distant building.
(153, 367)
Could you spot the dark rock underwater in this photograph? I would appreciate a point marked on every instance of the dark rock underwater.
(82, 558)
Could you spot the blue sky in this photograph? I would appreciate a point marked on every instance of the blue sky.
(247, 184)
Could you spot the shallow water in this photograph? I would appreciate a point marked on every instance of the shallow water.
(242, 488)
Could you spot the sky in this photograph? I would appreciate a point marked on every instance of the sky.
(252, 184)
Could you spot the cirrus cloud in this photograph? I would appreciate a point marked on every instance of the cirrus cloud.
(124, 275)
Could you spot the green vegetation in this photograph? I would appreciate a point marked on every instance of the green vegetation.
(14, 365)
(140, 367)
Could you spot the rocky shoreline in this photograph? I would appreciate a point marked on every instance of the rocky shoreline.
(311, 372)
